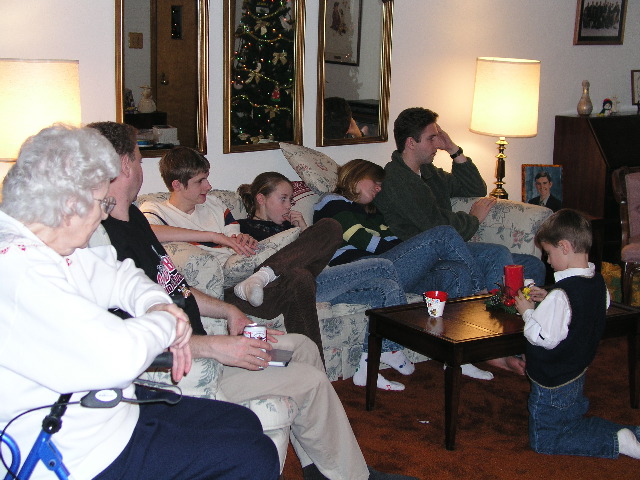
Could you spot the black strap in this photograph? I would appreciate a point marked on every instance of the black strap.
(156, 215)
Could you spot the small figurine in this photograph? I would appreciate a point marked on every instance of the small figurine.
(146, 103)
(616, 102)
(607, 105)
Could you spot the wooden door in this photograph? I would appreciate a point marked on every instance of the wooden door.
(174, 64)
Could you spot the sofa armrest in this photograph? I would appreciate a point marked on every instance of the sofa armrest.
(510, 223)
(202, 380)
(200, 269)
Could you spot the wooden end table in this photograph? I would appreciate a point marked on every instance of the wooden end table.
(469, 333)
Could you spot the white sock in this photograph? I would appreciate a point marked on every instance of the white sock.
(628, 443)
(474, 372)
(398, 361)
(360, 377)
(252, 289)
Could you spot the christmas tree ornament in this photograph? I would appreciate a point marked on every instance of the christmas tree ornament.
(279, 56)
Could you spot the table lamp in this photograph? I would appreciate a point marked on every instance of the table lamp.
(505, 104)
(33, 95)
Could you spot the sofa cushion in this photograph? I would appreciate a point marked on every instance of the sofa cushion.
(232, 200)
(238, 267)
(303, 200)
(319, 171)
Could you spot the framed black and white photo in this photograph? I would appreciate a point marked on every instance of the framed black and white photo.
(542, 185)
(342, 24)
(600, 22)
(635, 87)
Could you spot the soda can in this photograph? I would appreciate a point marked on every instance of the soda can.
(253, 330)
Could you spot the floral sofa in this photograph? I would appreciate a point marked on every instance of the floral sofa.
(343, 326)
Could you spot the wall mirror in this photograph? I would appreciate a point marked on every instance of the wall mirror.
(162, 51)
(353, 72)
(263, 71)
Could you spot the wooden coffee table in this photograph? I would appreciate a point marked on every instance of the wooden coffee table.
(469, 333)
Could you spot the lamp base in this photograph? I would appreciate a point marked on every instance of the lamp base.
(499, 192)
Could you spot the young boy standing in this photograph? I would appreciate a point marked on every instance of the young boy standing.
(563, 333)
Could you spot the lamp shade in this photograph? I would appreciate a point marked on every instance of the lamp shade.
(505, 98)
(33, 95)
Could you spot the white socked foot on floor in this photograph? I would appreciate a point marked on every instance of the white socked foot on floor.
(360, 377)
(628, 443)
(252, 288)
(472, 371)
(398, 361)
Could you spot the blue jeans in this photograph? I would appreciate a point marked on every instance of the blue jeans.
(491, 259)
(369, 281)
(436, 259)
(558, 426)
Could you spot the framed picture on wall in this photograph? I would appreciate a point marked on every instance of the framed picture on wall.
(635, 87)
(342, 24)
(600, 22)
(542, 185)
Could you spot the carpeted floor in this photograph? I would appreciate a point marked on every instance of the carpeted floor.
(405, 432)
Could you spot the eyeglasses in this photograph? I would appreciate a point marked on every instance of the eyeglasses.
(107, 204)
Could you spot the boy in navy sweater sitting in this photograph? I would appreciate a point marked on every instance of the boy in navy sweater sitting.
(563, 333)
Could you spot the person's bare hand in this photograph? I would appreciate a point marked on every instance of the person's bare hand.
(239, 351)
(241, 243)
(522, 304)
(181, 362)
(353, 129)
(481, 208)
(297, 220)
(447, 144)
(272, 333)
(180, 346)
(236, 320)
(537, 294)
(183, 327)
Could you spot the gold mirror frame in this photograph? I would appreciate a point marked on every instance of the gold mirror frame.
(298, 9)
(385, 78)
(203, 73)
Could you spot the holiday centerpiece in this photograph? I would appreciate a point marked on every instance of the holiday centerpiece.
(503, 297)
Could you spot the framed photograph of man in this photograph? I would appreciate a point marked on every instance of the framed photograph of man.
(600, 22)
(542, 185)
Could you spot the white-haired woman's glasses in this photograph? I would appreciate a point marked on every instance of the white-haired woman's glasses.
(107, 204)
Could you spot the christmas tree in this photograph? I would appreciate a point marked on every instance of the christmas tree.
(263, 73)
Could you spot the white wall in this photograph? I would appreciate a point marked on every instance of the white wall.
(435, 45)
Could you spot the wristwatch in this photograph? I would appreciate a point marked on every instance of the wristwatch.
(457, 154)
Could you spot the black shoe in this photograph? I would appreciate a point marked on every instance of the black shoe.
(311, 472)
(375, 475)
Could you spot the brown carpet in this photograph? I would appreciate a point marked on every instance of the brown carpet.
(405, 432)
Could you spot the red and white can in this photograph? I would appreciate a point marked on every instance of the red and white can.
(253, 330)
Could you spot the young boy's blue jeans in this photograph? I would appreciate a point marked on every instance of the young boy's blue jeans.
(558, 426)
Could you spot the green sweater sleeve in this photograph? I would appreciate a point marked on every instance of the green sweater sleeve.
(412, 204)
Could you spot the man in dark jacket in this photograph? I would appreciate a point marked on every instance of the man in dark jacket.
(416, 195)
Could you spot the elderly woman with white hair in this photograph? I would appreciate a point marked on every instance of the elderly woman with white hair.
(57, 335)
